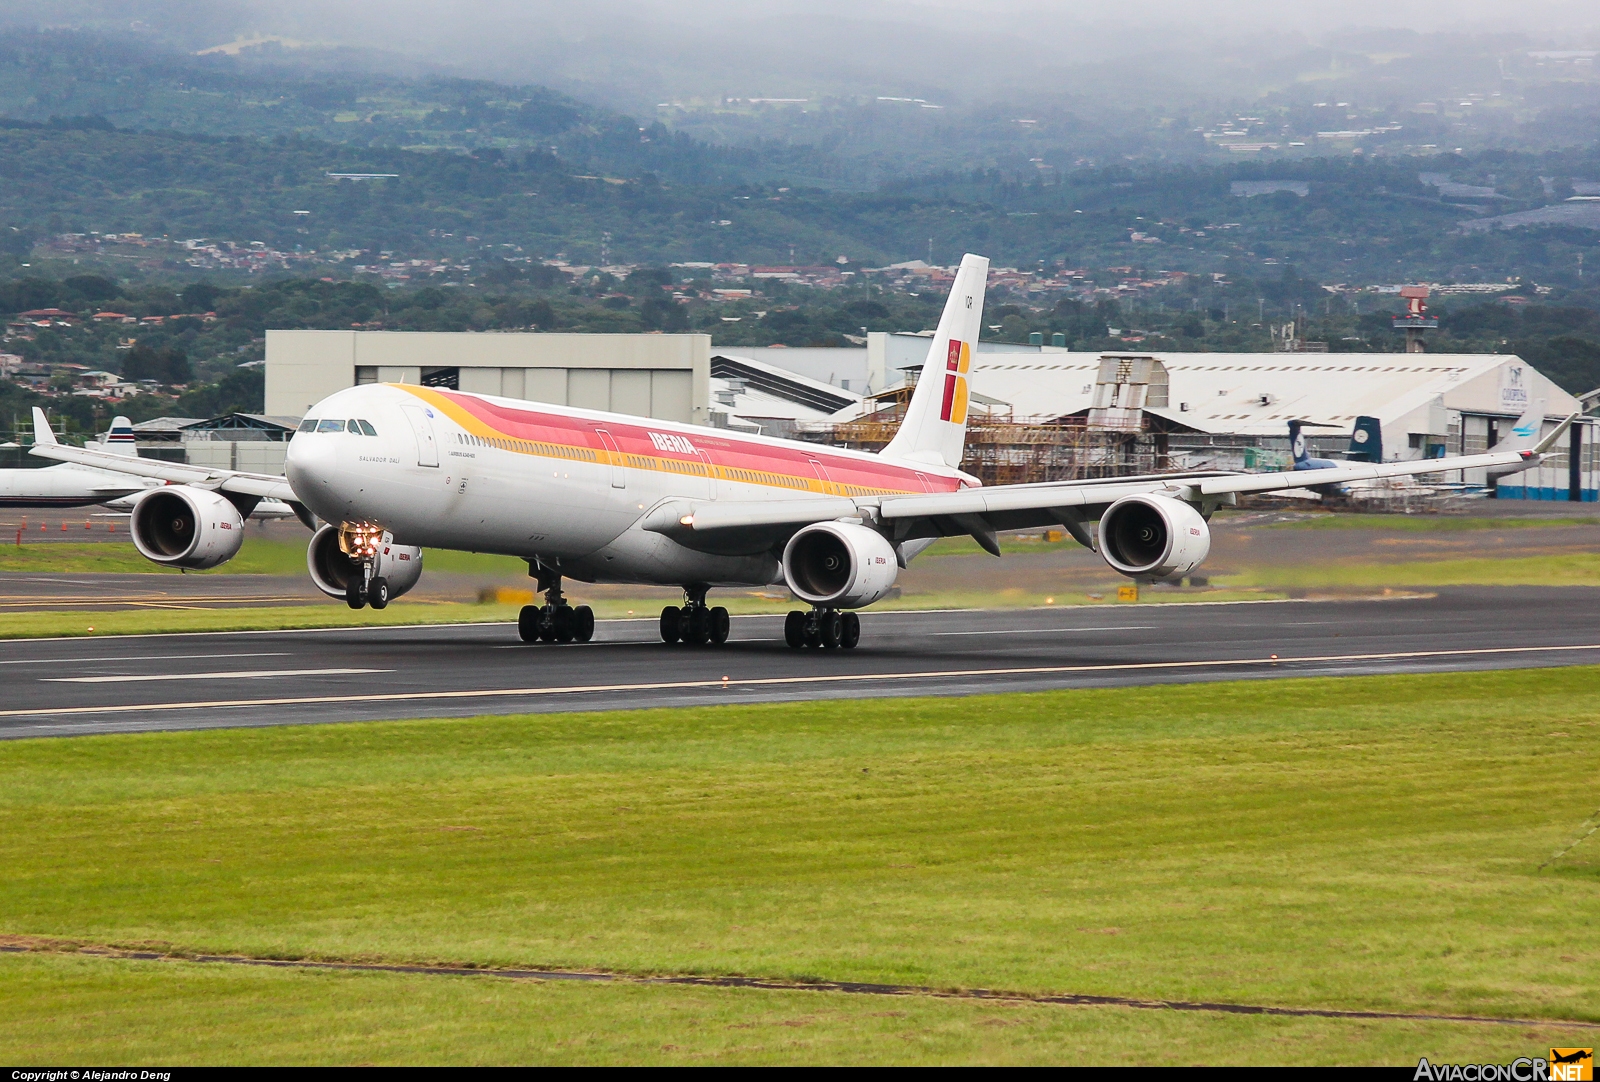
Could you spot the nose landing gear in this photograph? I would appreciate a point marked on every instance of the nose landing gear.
(555, 620)
(360, 542)
(827, 629)
(695, 623)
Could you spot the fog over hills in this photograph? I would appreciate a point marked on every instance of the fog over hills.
(632, 54)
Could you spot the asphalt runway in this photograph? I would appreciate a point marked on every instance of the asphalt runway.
(58, 687)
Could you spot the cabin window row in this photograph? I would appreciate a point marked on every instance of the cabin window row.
(528, 447)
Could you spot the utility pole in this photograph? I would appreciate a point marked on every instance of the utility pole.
(930, 251)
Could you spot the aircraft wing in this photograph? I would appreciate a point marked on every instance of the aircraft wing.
(754, 526)
(234, 482)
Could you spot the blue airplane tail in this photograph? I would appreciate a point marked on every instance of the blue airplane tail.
(1366, 441)
(1297, 446)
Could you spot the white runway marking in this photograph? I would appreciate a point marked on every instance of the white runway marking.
(142, 657)
(771, 681)
(1049, 630)
(243, 674)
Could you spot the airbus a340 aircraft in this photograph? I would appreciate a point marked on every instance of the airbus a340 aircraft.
(602, 497)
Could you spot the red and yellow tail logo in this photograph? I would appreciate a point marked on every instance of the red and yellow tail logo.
(1571, 1064)
(954, 407)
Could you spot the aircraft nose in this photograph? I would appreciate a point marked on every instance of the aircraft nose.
(311, 463)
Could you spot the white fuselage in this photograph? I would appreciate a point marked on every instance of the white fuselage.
(564, 486)
(66, 486)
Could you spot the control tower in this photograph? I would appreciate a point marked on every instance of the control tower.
(1416, 320)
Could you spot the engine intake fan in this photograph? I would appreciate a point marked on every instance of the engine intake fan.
(1155, 537)
(839, 565)
(185, 527)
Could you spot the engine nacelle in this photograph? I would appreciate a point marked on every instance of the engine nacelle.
(192, 528)
(839, 565)
(331, 570)
(1150, 536)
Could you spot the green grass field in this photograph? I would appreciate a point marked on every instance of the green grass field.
(1356, 843)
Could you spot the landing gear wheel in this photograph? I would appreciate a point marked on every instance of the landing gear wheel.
(669, 624)
(699, 629)
(794, 629)
(813, 634)
(582, 623)
(830, 628)
(851, 632)
(720, 625)
(547, 630)
(354, 596)
(528, 623)
(561, 621)
(378, 593)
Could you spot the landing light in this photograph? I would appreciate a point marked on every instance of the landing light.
(687, 520)
(360, 540)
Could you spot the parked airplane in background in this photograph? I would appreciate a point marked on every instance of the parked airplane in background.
(74, 485)
(1366, 445)
(602, 497)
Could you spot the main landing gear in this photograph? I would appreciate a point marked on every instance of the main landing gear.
(694, 623)
(555, 620)
(828, 629)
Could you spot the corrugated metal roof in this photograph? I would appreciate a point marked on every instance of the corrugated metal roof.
(1258, 393)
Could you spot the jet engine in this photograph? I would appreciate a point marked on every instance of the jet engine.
(332, 570)
(192, 528)
(1156, 537)
(839, 565)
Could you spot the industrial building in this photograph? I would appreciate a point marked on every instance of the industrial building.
(1223, 410)
(651, 375)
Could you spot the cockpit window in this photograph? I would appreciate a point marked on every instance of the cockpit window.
(367, 428)
(353, 427)
(308, 425)
(330, 426)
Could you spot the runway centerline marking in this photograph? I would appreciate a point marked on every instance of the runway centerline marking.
(242, 674)
(1048, 630)
(144, 657)
(772, 681)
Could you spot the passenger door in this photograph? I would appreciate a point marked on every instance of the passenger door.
(619, 475)
(422, 428)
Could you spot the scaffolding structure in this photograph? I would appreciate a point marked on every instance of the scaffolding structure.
(1004, 450)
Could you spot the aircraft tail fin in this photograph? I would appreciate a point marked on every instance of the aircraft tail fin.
(935, 426)
(1366, 441)
(120, 440)
(1297, 445)
(1525, 433)
(43, 434)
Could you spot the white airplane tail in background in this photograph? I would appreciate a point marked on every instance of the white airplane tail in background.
(1528, 429)
(935, 426)
(120, 441)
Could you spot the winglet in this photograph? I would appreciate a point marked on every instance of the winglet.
(1550, 440)
(41, 428)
